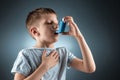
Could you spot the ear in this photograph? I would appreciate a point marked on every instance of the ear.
(34, 31)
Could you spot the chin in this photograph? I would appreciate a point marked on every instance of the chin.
(54, 40)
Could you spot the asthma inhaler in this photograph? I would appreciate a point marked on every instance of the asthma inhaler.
(62, 26)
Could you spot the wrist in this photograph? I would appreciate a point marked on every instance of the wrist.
(46, 67)
(80, 36)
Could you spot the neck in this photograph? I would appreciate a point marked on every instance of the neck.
(44, 45)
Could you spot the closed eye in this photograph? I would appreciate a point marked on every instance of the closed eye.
(49, 22)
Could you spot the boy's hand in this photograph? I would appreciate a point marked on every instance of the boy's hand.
(51, 60)
(74, 31)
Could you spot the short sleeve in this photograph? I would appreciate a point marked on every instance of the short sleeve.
(71, 56)
(21, 64)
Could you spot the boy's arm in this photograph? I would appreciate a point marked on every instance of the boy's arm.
(37, 75)
(86, 64)
(47, 63)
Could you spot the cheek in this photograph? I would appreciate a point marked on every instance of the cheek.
(44, 32)
(48, 32)
(46, 35)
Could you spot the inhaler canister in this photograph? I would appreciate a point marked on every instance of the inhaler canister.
(62, 26)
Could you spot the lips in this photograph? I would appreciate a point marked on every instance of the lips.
(55, 33)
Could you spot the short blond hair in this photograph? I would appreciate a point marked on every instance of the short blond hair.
(36, 14)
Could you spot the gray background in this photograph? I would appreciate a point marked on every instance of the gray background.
(98, 20)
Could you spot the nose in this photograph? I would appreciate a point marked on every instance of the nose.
(55, 26)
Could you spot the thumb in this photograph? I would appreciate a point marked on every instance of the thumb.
(65, 33)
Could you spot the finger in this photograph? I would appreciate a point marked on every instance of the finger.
(55, 53)
(44, 53)
(56, 56)
(68, 18)
(65, 33)
(52, 53)
(69, 21)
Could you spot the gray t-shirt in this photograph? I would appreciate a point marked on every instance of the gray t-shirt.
(29, 59)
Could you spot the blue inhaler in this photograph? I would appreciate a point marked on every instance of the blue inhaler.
(62, 26)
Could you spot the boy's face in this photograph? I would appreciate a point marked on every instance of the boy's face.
(48, 24)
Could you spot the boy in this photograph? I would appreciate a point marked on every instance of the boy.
(43, 61)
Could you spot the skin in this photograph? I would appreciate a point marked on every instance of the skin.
(45, 37)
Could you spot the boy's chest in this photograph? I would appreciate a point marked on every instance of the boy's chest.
(36, 60)
(53, 73)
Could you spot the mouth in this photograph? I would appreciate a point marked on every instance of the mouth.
(56, 34)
